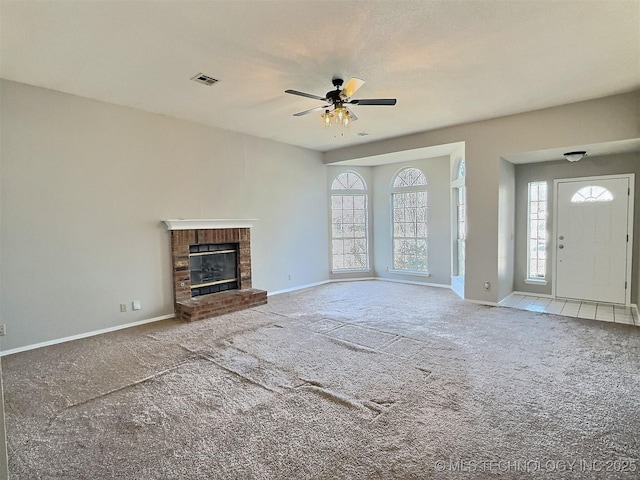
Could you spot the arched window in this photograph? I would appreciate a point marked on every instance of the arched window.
(409, 177)
(592, 193)
(349, 232)
(409, 203)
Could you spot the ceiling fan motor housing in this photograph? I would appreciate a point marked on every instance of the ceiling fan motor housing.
(334, 96)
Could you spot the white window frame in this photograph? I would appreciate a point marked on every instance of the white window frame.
(405, 190)
(352, 192)
(459, 186)
(529, 279)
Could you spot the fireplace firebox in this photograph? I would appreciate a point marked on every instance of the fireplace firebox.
(213, 268)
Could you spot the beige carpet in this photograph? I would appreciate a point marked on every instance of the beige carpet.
(371, 380)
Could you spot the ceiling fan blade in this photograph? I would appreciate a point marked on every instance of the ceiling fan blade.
(299, 114)
(308, 95)
(351, 86)
(374, 101)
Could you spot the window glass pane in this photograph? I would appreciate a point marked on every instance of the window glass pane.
(537, 231)
(410, 231)
(462, 229)
(462, 171)
(409, 177)
(592, 194)
(349, 230)
(347, 216)
(348, 181)
(462, 199)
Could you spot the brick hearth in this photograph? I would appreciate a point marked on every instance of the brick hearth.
(207, 306)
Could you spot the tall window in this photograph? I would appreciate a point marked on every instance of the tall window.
(409, 203)
(537, 232)
(349, 245)
(461, 216)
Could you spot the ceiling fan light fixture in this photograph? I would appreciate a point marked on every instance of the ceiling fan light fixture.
(575, 156)
(326, 118)
(340, 116)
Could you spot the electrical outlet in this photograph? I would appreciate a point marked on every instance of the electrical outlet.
(3, 330)
(289, 277)
(123, 307)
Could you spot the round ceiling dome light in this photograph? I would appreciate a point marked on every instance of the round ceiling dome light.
(575, 156)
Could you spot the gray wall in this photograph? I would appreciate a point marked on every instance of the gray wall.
(85, 186)
(486, 142)
(438, 221)
(550, 171)
(506, 228)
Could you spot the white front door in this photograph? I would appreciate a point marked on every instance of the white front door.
(593, 231)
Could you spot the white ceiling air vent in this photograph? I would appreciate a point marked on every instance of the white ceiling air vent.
(360, 134)
(204, 79)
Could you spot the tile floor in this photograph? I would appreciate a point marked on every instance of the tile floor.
(572, 308)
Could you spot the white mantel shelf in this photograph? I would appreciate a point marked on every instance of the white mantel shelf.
(202, 224)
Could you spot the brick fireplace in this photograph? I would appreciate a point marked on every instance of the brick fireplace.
(192, 237)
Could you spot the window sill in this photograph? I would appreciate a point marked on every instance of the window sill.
(352, 270)
(410, 272)
(533, 281)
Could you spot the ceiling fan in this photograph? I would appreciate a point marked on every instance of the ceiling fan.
(336, 101)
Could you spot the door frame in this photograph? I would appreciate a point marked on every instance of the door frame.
(630, 225)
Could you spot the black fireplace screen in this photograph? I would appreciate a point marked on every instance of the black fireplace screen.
(213, 268)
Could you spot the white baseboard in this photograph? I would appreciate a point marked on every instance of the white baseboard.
(363, 279)
(299, 287)
(393, 280)
(85, 335)
(425, 284)
(530, 294)
(482, 302)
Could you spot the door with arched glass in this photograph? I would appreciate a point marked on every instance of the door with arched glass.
(594, 225)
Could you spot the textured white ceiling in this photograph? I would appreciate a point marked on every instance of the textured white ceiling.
(447, 62)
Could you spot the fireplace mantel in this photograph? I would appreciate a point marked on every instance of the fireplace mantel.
(213, 224)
